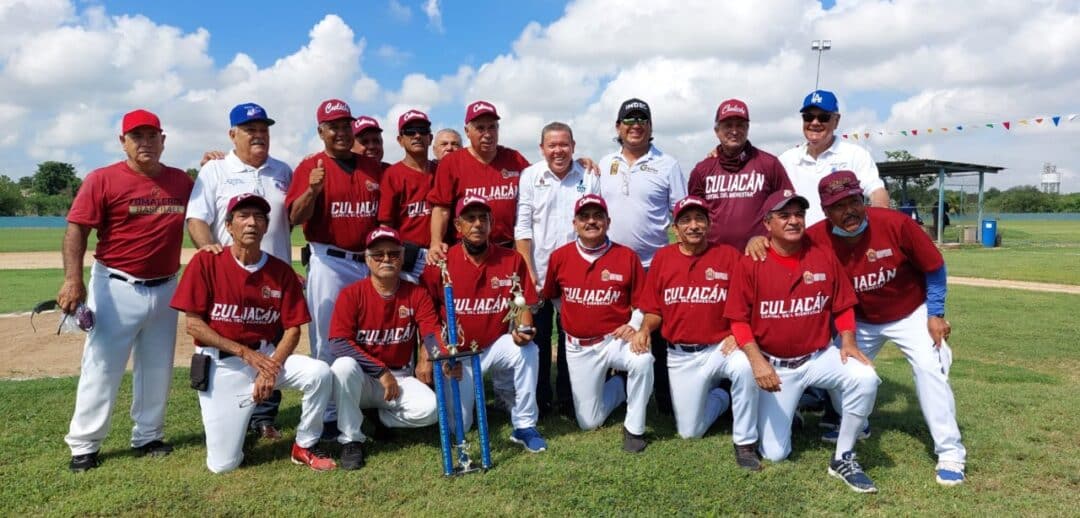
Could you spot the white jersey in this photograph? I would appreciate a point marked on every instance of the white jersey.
(805, 171)
(640, 197)
(220, 180)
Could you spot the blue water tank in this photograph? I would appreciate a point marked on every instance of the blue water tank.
(989, 232)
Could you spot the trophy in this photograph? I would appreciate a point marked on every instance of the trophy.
(517, 307)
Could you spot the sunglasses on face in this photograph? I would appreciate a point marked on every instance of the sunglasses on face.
(823, 117)
(392, 255)
(633, 120)
(412, 132)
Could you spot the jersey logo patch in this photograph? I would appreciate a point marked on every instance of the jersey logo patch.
(372, 186)
(873, 255)
(811, 278)
(713, 275)
(404, 312)
(614, 168)
(510, 174)
(497, 283)
(281, 185)
(269, 293)
(608, 276)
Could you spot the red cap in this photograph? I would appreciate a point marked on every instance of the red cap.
(781, 198)
(732, 108)
(837, 186)
(689, 202)
(384, 233)
(479, 108)
(412, 117)
(137, 118)
(590, 199)
(332, 110)
(364, 123)
(470, 200)
(248, 198)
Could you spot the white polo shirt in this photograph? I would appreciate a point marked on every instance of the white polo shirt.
(640, 197)
(805, 171)
(545, 209)
(220, 180)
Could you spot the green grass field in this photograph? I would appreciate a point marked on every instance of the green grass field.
(1040, 251)
(50, 239)
(1016, 386)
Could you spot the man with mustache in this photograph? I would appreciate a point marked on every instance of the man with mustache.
(248, 168)
(899, 278)
(447, 140)
(244, 308)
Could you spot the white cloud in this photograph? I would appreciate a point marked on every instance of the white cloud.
(398, 11)
(393, 55)
(434, 15)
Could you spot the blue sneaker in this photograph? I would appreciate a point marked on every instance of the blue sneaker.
(530, 439)
(848, 470)
(950, 473)
(831, 435)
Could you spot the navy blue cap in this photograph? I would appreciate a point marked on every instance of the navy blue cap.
(247, 112)
(823, 99)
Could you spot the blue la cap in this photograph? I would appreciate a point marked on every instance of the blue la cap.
(248, 112)
(823, 99)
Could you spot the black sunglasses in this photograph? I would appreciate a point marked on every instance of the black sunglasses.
(412, 132)
(379, 256)
(822, 117)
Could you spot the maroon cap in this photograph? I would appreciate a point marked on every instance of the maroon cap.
(137, 118)
(470, 200)
(364, 123)
(412, 117)
(384, 233)
(590, 199)
(732, 108)
(689, 202)
(246, 199)
(837, 186)
(781, 198)
(479, 108)
(332, 110)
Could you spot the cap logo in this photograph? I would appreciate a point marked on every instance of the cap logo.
(335, 107)
(252, 111)
(411, 114)
(470, 199)
(636, 105)
(788, 193)
(482, 107)
(381, 233)
(816, 98)
(732, 108)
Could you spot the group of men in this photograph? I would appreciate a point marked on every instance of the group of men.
(746, 293)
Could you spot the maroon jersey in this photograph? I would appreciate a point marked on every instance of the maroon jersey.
(139, 219)
(383, 330)
(243, 306)
(347, 208)
(790, 312)
(403, 202)
(887, 266)
(460, 173)
(597, 297)
(735, 198)
(481, 292)
(689, 293)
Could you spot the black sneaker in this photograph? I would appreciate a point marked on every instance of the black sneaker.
(848, 470)
(155, 448)
(746, 456)
(381, 431)
(352, 455)
(85, 462)
(633, 443)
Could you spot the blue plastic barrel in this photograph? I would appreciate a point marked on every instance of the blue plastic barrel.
(989, 232)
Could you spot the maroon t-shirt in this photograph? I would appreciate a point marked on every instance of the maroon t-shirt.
(383, 329)
(460, 173)
(347, 208)
(887, 266)
(597, 297)
(689, 293)
(735, 198)
(790, 313)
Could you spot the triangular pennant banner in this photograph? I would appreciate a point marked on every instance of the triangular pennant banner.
(914, 132)
(1056, 119)
(929, 130)
(1023, 121)
(944, 129)
(1071, 117)
(1006, 124)
(844, 135)
(959, 128)
(867, 135)
(904, 132)
(990, 125)
(855, 136)
(1038, 120)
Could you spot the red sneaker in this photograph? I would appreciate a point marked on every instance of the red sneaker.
(313, 457)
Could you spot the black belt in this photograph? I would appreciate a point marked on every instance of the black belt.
(690, 348)
(788, 363)
(149, 283)
(341, 254)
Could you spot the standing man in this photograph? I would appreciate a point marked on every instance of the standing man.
(823, 153)
(373, 335)
(600, 284)
(244, 308)
(484, 169)
(899, 278)
(335, 196)
(367, 139)
(685, 293)
(783, 311)
(736, 181)
(641, 184)
(483, 276)
(548, 192)
(137, 208)
(248, 168)
(446, 141)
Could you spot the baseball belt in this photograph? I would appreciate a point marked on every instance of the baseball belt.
(149, 283)
(342, 254)
(586, 342)
(688, 348)
(788, 363)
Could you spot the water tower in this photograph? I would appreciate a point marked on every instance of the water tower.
(1051, 179)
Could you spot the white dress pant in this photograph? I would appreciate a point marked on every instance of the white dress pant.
(694, 374)
(504, 355)
(594, 398)
(354, 390)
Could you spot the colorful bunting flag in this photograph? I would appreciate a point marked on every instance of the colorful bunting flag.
(1056, 119)
(1006, 124)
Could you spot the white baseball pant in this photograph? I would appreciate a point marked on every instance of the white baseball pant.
(594, 398)
(128, 319)
(503, 355)
(227, 406)
(855, 380)
(930, 367)
(694, 375)
(414, 407)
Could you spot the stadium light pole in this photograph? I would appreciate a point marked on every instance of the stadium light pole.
(820, 46)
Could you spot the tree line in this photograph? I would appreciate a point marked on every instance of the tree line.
(48, 192)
